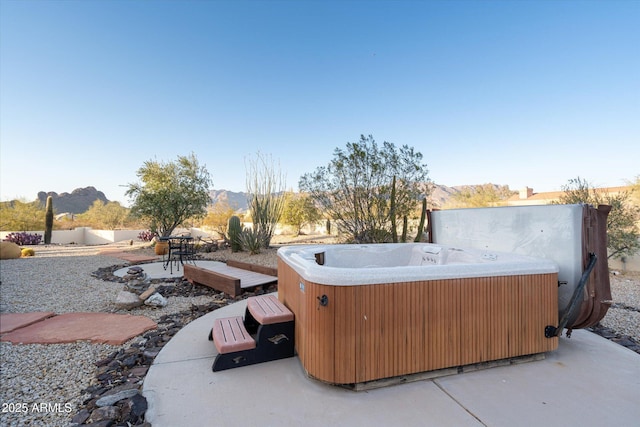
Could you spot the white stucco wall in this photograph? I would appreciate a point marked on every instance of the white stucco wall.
(84, 236)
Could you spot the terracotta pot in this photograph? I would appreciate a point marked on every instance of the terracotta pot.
(161, 248)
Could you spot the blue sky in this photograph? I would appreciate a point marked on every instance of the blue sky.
(510, 92)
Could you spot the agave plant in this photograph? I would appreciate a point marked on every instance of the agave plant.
(252, 240)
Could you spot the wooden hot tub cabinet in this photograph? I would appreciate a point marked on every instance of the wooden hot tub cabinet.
(362, 333)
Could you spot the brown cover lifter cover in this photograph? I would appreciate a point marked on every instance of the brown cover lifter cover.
(597, 293)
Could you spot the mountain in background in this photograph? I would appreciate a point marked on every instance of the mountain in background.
(81, 199)
(237, 201)
(76, 202)
(439, 196)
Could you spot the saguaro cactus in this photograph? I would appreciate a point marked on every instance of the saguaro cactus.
(392, 212)
(48, 220)
(422, 216)
(405, 227)
(234, 230)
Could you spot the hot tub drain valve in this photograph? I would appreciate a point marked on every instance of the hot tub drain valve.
(323, 300)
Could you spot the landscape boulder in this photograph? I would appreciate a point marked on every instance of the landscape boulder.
(138, 291)
(156, 300)
(146, 294)
(128, 300)
(9, 250)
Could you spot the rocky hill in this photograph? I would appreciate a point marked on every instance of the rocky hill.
(237, 201)
(439, 196)
(81, 199)
(76, 202)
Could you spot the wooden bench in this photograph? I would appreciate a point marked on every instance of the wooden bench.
(266, 333)
(269, 271)
(218, 281)
(226, 282)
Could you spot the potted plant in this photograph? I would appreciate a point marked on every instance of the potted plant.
(161, 247)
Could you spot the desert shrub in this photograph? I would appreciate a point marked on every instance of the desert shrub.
(146, 236)
(265, 188)
(27, 252)
(23, 238)
(206, 245)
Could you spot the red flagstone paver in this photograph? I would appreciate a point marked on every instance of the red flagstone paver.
(105, 328)
(12, 321)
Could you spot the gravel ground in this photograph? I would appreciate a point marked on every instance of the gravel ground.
(42, 384)
(34, 374)
(624, 314)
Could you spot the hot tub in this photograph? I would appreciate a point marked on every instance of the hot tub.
(369, 312)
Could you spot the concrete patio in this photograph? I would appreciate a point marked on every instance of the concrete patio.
(588, 381)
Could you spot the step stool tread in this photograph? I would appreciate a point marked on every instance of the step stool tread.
(230, 335)
(267, 309)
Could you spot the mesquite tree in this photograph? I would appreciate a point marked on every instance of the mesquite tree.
(354, 189)
(170, 193)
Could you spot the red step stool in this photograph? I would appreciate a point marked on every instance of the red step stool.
(266, 333)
